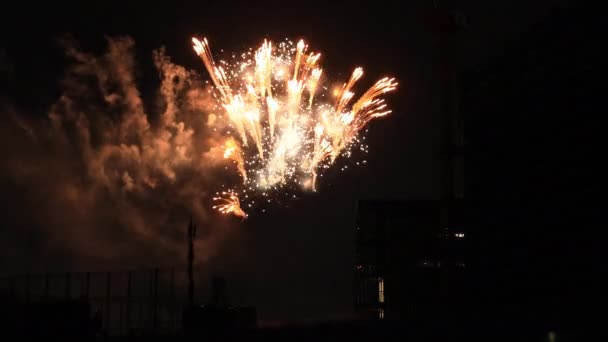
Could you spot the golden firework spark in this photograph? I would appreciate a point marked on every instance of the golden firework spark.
(233, 152)
(273, 97)
(229, 203)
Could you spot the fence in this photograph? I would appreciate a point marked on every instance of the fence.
(137, 302)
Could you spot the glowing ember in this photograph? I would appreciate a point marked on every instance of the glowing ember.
(229, 204)
(233, 151)
(288, 124)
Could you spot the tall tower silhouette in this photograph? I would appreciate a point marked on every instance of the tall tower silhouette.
(448, 27)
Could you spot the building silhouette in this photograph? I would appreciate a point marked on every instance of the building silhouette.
(408, 266)
(411, 260)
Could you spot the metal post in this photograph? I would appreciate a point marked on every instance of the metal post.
(27, 288)
(121, 316)
(68, 290)
(191, 236)
(28, 308)
(11, 284)
(173, 301)
(107, 306)
(128, 318)
(47, 281)
(155, 302)
(141, 319)
(87, 285)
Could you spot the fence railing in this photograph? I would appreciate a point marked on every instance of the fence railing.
(147, 301)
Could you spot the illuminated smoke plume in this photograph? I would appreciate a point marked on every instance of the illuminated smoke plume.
(111, 176)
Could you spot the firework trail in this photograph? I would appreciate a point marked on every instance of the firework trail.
(229, 204)
(282, 128)
(233, 151)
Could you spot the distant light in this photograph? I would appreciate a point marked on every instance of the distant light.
(459, 235)
(381, 292)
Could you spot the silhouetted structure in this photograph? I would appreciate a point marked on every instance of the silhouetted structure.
(61, 318)
(136, 302)
(408, 266)
(191, 236)
(218, 291)
(411, 255)
(534, 136)
(448, 28)
(218, 319)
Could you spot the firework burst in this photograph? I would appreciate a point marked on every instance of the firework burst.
(283, 127)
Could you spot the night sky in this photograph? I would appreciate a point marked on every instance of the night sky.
(295, 261)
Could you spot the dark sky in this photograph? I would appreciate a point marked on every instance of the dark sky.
(295, 262)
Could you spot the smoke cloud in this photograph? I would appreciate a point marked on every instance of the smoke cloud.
(105, 175)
